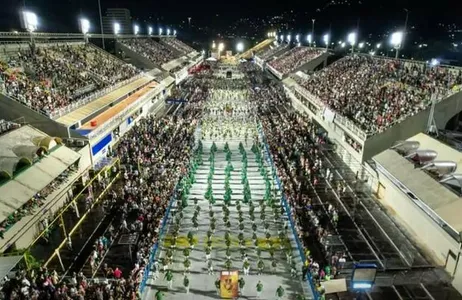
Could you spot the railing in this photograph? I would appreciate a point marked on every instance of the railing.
(65, 110)
(288, 210)
(274, 71)
(339, 119)
(124, 113)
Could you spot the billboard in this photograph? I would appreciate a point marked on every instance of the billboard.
(229, 287)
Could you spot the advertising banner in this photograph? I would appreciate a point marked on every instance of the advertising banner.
(229, 287)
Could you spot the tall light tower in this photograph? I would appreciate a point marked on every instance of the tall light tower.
(30, 22)
(326, 39)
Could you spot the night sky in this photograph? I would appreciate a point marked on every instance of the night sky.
(340, 15)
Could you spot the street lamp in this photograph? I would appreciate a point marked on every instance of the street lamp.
(84, 27)
(240, 47)
(352, 41)
(326, 38)
(136, 29)
(116, 28)
(309, 38)
(396, 40)
(149, 30)
(160, 31)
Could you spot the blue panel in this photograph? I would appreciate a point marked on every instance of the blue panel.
(101, 144)
(83, 131)
(129, 120)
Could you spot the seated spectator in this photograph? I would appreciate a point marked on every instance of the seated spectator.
(375, 93)
(178, 45)
(269, 52)
(294, 58)
(150, 49)
(46, 79)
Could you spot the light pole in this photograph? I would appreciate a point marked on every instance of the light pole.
(84, 27)
(326, 40)
(101, 23)
(312, 27)
(396, 40)
(309, 38)
(352, 41)
(149, 30)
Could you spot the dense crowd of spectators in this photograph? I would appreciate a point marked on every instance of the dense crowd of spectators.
(154, 155)
(272, 50)
(49, 78)
(7, 126)
(150, 49)
(375, 93)
(178, 45)
(294, 58)
(191, 90)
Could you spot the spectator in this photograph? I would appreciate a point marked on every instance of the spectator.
(155, 52)
(294, 58)
(375, 93)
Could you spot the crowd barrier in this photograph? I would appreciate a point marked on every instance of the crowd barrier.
(152, 256)
(288, 210)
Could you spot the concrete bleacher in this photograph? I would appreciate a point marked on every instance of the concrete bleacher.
(362, 145)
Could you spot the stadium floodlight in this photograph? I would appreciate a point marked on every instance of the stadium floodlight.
(136, 29)
(30, 21)
(434, 62)
(289, 38)
(221, 47)
(378, 45)
(343, 45)
(240, 47)
(352, 39)
(160, 31)
(281, 37)
(372, 53)
(361, 45)
(116, 28)
(168, 31)
(84, 25)
(309, 38)
(297, 38)
(214, 45)
(174, 32)
(396, 40)
(149, 30)
(326, 39)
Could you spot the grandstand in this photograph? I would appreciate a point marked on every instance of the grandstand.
(98, 201)
(396, 98)
(255, 50)
(297, 58)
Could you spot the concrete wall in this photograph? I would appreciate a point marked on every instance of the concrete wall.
(444, 111)
(136, 59)
(12, 110)
(428, 235)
